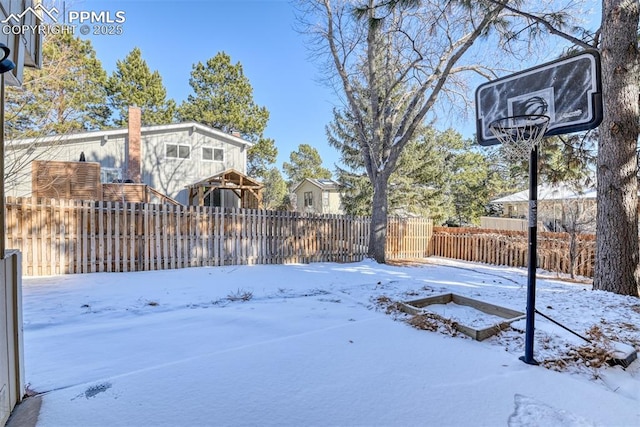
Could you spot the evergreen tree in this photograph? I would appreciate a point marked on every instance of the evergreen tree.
(617, 266)
(430, 178)
(569, 158)
(563, 158)
(260, 157)
(133, 83)
(469, 186)
(66, 95)
(417, 186)
(304, 163)
(275, 190)
(223, 99)
(357, 191)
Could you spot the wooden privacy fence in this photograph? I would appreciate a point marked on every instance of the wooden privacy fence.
(510, 248)
(67, 236)
(408, 238)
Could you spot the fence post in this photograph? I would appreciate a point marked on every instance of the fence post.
(88, 236)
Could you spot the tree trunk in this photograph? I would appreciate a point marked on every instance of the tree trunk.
(378, 232)
(617, 268)
(573, 253)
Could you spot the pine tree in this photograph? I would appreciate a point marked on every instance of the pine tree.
(469, 186)
(563, 158)
(133, 83)
(66, 95)
(260, 157)
(223, 99)
(430, 179)
(275, 190)
(304, 163)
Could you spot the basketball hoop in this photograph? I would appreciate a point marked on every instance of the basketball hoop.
(518, 110)
(519, 135)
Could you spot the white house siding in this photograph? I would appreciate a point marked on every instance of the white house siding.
(109, 152)
(335, 202)
(171, 175)
(109, 148)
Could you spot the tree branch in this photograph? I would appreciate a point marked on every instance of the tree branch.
(546, 24)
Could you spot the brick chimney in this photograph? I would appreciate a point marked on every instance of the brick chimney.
(133, 146)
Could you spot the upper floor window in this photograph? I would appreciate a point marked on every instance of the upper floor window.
(178, 151)
(325, 198)
(308, 199)
(213, 154)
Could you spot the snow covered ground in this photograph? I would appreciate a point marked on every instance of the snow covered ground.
(319, 344)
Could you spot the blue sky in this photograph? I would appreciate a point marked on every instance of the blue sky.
(173, 35)
(260, 34)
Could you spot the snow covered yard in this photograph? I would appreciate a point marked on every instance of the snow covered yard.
(318, 344)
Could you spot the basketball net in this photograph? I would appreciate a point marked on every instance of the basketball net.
(519, 135)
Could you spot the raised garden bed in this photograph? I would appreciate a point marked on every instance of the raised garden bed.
(477, 319)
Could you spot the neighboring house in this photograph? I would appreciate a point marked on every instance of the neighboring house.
(318, 196)
(167, 158)
(559, 206)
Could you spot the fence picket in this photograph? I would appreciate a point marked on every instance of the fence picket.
(132, 235)
(67, 236)
(510, 248)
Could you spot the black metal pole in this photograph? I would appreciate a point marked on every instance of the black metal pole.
(533, 258)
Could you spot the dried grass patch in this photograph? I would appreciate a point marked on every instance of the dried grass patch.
(593, 355)
(387, 304)
(434, 323)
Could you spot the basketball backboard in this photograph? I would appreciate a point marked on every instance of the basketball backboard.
(567, 90)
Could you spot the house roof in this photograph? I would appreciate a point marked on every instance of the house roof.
(144, 130)
(549, 192)
(323, 184)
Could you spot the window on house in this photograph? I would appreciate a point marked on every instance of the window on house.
(178, 151)
(213, 154)
(308, 199)
(108, 175)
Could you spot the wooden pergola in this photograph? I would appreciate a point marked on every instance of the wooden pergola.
(247, 190)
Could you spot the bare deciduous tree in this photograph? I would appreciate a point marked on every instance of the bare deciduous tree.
(392, 60)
